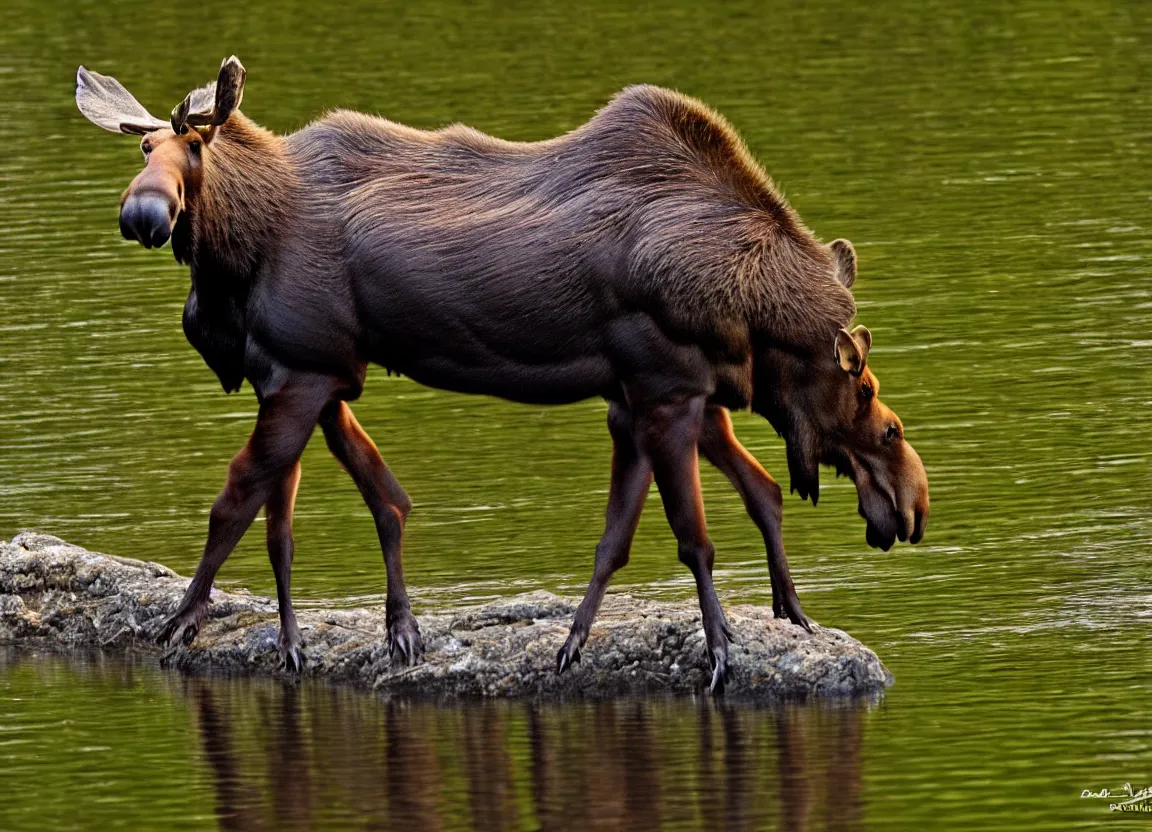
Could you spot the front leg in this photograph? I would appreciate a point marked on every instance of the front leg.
(763, 501)
(283, 425)
(389, 505)
(631, 477)
(278, 515)
(668, 433)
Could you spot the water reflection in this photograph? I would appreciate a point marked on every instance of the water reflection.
(292, 757)
(989, 162)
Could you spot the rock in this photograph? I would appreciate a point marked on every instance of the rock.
(55, 594)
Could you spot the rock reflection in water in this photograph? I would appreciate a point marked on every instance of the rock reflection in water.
(300, 757)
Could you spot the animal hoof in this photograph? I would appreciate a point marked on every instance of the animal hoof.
(569, 655)
(405, 644)
(719, 672)
(189, 634)
(182, 627)
(293, 659)
(790, 609)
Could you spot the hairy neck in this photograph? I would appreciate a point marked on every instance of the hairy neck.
(780, 398)
(233, 221)
(802, 303)
(774, 369)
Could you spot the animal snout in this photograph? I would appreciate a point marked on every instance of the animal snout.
(881, 534)
(903, 523)
(147, 218)
(914, 497)
(919, 525)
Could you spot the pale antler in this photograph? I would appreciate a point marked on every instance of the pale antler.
(104, 102)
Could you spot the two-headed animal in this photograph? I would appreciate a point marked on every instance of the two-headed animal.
(644, 258)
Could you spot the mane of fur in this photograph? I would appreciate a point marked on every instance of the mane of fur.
(654, 177)
(232, 225)
(247, 195)
(656, 199)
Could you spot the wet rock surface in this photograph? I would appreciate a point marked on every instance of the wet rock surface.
(54, 594)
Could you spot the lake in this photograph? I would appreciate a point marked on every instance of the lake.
(991, 164)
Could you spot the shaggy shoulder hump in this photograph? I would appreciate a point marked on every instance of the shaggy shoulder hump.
(706, 136)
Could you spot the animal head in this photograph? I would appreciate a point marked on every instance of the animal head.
(827, 407)
(174, 150)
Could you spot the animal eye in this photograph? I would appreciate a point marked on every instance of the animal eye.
(893, 432)
(194, 146)
(866, 391)
(146, 148)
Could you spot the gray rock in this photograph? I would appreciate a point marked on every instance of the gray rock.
(55, 594)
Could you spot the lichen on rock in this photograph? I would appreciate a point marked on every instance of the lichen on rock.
(54, 594)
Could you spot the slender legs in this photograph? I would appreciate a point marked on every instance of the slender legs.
(266, 473)
(278, 513)
(389, 506)
(662, 441)
(668, 434)
(763, 501)
(655, 441)
(631, 477)
(658, 441)
(284, 423)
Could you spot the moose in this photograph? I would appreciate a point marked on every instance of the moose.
(645, 258)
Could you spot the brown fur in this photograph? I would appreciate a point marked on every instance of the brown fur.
(654, 174)
(645, 257)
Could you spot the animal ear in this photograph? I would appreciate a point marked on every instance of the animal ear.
(852, 349)
(844, 257)
(229, 90)
(104, 102)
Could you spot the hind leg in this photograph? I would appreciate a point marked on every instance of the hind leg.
(762, 500)
(389, 505)
(631, 477)
(278, 513)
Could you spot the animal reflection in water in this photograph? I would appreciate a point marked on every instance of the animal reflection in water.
(284, 757)
(644, 258)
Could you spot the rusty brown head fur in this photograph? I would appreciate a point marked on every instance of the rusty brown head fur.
(827, 407)
(173, 150)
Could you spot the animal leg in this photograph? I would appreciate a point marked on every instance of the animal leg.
(668, 434)
(389, 506)
(631, 477)
(278, 513)
(284, 423)
(762, 500)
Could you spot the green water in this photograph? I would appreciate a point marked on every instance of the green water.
(991, 164)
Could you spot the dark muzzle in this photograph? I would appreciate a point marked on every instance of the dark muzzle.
(147, 218)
